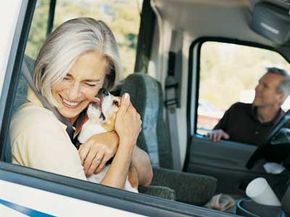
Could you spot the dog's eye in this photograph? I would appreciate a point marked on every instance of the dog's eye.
(116, 103)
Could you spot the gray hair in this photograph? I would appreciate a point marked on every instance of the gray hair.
(66, 44)
(284, 86)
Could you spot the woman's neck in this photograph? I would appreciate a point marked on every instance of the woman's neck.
(72, 120)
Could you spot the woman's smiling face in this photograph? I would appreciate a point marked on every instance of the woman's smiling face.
(80, 85)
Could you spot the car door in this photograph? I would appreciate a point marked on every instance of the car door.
(28, 192)
(227, 73)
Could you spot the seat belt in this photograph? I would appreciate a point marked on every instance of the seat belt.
(171, 101)
(172, 95)
(26, 74)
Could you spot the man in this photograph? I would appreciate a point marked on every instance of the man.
(251, 123)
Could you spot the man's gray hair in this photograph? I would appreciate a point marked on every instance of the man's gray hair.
(62, 48)
(284, 86)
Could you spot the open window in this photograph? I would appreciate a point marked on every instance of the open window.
(229, 73)
(222, 73)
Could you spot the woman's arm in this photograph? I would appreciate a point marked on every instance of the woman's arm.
(104, 146)
(128, 127)
(40, 141)
(97, 151)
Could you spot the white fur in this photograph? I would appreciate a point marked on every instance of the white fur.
(94, 126)
(90, 128)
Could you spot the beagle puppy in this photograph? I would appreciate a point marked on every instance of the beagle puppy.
(100, 118)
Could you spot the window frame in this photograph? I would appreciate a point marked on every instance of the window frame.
(12, 71)
(90, 192)
(194, 75)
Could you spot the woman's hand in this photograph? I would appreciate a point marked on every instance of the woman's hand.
(128, 122)
(127, 126)
(97, 151)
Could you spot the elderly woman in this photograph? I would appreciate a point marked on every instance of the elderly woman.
(77, 59)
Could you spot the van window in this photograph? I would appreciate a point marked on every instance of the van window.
(229, 73)
(38, 29)
(122, 16)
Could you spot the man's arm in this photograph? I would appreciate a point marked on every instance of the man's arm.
(141, 162)
(218, 131)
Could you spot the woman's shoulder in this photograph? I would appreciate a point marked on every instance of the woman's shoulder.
(30, 112)
(30, 116)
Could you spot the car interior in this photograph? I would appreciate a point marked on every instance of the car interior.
(193, 59)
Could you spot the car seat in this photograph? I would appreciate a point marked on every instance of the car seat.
(22, 85)
(146, 96)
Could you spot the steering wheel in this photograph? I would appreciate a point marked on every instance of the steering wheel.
(271, 153)
(275, 149)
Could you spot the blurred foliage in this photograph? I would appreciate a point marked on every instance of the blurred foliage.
(122, 16)
(228, 71)
(38, 29)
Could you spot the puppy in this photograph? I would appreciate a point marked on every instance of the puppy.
(101, 118)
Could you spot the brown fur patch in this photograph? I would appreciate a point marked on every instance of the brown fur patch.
(133, 176)
(109, 124)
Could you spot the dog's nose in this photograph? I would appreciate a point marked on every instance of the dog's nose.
(103, 92)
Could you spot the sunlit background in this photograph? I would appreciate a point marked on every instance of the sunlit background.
(229, 73)
(122, 16)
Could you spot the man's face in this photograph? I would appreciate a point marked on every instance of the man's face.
(266, 94)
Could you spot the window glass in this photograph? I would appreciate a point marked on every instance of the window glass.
(229, 73)
(38, 29)
(122, 16)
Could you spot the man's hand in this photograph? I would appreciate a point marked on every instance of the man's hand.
(217, 135)
(97, 151)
